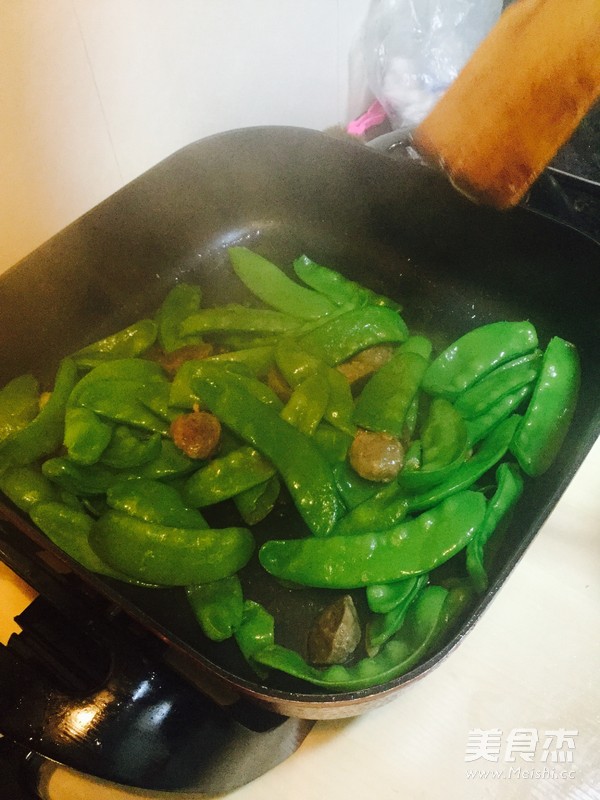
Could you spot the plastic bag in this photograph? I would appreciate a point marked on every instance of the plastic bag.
(413, 49)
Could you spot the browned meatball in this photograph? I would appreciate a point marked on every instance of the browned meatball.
(365, 363)
(376, 456)
(171, 362)
(197, 434)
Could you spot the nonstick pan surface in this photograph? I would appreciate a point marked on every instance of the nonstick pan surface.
(398, 228)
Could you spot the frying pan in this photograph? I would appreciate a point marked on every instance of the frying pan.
(398, 228)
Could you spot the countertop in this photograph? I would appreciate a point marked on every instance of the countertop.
(513, 712)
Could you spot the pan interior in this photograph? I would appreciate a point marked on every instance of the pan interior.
(398, 229)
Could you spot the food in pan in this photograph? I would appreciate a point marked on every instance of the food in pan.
(399, 461)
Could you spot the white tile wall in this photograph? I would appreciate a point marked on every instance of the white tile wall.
(93, 92)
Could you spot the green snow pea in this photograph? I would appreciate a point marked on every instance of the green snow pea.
(305, 471)
(19, 404)
(152, 501)
(419, 633)
(271, 285)
(510, 488)
(340, 408)
(386, 397)
(294, 363)
(257, 360)
(340, 290)
(417, 344)
(218, 606)
(479, 427)
(307, 406)
(546, 420)
(44, 434)
(332, 442)
(95, 479)
(69, 529)
(353, 489)
(392, 503)
(380, 509)
(503, 380)
(385, 597)
(130, 369)
(126, 401)
(166, 555)
(475, 354)
(409, 548)
(227, 476)
(128, 343)
(297, 366)
(490, 451)
(255, 503)
(181, 302)
(382, 627)
(443, 447)
(129, 448)
(25, 486)
(183, 395)
(86, 436)
(337, 339)
(238, 318)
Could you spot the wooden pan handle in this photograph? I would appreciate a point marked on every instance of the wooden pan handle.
(517, 100)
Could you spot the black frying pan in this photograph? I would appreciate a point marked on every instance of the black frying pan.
(398, 228)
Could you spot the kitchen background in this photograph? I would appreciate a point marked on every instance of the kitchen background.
(94, 92)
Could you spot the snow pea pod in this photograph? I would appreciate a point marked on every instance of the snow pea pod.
(97, 478)
(25, 486)
(86, 436)
(255, 503)
(258, 360)
(152, 501)
(490, 451)
(443, 447)
(19, 404)
(353, 489)
(44, 433)
(409, 548)
(332, 442)
(339, 289)
(475, 354)
(381, 509)
(69, 529)
(271, 285)
(305, 471)
(183, 395)
(419, 633)
(307, 406)
(383, 626)
(510, 488)
(166, 555)
(294, 363)
(127, 343)
(129, 448)
(126, 401)
(384, 402)
(181, 302)
(479, 427)
(227, 476)
(336, 340)
(503, 380)
(235, 317)
(218, 606)
(546, 420)
(385, 597)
